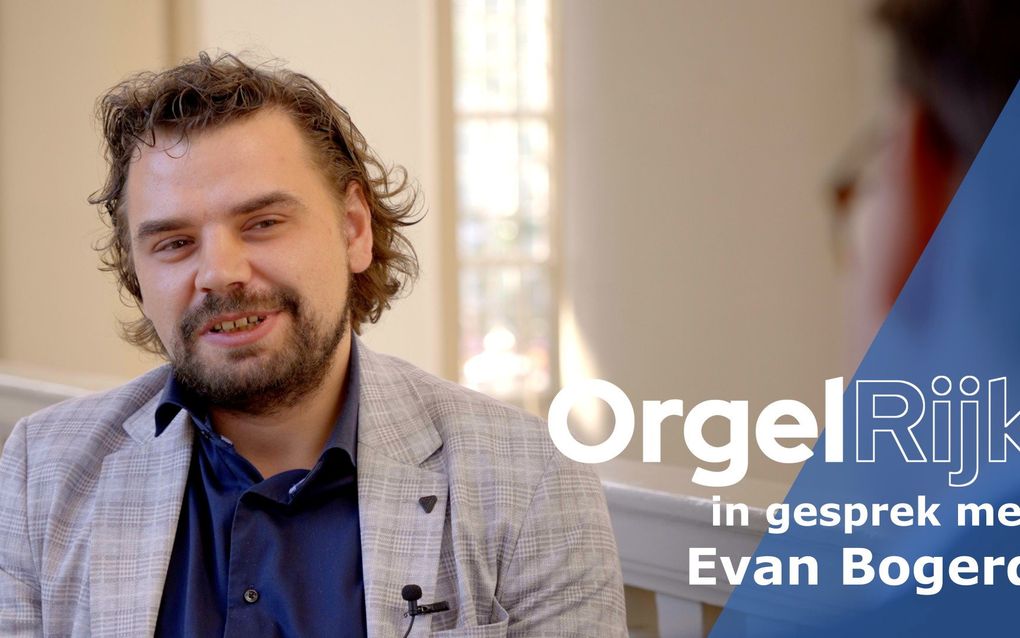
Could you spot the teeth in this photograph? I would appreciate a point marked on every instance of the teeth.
(244, 323)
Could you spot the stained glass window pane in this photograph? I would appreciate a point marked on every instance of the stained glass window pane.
(503, 167)
(510, 239)
(534, 55)
(487, 161)
(501, 55)
(506, 339)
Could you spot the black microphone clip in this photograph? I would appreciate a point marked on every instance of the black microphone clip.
(412, 594)
(442, 605)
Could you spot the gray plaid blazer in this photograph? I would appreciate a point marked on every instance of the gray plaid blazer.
(519, 542)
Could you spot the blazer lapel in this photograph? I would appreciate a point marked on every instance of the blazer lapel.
(401, 538)
(135, 521)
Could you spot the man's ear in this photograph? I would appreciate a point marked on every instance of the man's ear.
(932, 172)
(357, 227)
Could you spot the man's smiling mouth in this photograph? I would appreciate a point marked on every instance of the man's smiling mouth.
(244, 323)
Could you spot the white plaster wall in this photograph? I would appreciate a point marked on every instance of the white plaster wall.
(56, 309)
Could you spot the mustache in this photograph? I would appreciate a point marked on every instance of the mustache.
(237, 301)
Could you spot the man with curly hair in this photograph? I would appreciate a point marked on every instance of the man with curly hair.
(277, 477)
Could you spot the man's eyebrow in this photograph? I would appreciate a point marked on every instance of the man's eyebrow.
(264, 201)
(157, 226)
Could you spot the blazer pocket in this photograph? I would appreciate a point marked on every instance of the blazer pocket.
(492, 630)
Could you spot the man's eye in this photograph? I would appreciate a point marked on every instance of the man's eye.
(175, 244)
(265, 223)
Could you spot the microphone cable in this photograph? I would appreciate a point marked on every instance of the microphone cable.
(408, 632)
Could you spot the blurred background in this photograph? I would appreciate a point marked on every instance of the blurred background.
(633, 191)
(636, 191)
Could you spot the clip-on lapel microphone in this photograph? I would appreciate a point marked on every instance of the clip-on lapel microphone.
(412, 594)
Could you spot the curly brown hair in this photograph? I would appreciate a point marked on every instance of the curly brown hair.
(206, 92)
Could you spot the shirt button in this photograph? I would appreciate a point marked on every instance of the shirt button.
(251, 595)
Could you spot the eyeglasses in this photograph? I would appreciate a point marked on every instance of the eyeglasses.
(847, 180)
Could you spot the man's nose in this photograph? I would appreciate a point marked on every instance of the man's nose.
(224, 262)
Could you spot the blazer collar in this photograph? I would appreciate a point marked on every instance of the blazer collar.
(394, 420)
(138, 501)
(140, 426)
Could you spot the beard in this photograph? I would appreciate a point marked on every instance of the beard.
(252, 381)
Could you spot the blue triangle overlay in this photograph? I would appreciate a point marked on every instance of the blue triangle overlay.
(954, 330)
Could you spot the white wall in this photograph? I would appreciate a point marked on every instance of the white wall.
(56, 309)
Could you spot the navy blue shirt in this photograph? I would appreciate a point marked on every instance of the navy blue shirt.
(260, 557)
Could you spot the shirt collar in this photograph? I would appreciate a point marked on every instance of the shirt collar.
(176, 397)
